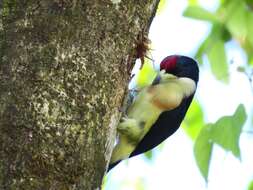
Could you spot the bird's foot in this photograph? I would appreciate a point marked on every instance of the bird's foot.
(130, 128)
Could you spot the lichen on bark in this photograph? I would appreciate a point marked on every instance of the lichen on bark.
(63, 75)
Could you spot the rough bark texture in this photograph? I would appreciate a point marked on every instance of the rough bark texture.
(63, 75)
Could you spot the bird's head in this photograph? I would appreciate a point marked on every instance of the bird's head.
(181, 66)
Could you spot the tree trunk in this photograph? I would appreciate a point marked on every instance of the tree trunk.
(64, 69)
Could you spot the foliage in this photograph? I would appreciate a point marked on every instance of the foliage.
(146, 75)
(233, 20)
(225, 132)
(194, 120)
(161, 6)
(250, 185)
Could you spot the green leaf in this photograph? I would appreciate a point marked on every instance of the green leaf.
(249, 3)
(200, 13)
(218, 33)
(226, 131)
(250, 29)
(146, 75)
(194, 120)
(250, 187)
(193, 2)
(104, 182)
(218, 61)
(203, 48)
(161, 6)
(203, 150)
(237, 20)
(250, 59)
(149, 155)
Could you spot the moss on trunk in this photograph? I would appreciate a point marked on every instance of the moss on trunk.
(63, 74)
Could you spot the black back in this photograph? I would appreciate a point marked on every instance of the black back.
(167, 123)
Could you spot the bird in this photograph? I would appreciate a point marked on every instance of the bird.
(158, 109)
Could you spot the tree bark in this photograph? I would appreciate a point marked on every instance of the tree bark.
(64, 69)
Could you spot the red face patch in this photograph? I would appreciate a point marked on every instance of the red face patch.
(169, 63)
